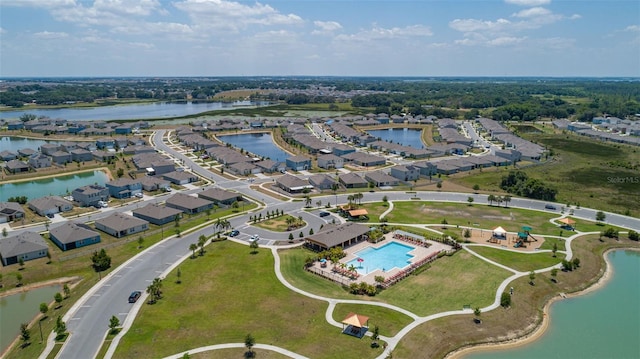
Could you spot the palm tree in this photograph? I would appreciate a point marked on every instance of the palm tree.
(254, 247)
(249, 342)
(201, 241)
(307, 201)
(506, 199)
(334, 188)
(491, 198)
(192, 248)
(477, 313)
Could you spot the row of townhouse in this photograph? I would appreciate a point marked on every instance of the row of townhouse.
(497, 132)
(60, 126)
(610, 130)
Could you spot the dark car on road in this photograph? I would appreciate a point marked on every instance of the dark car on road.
(134, 296)
(234, 233)
(324, 214)
(550, 206)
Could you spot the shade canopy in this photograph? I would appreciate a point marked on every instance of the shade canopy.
(358, 212)
(355, 320)
(499, 230)
(526, 228)
(567, 221)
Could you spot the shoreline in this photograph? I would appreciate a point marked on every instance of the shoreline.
(106, 171)
(539, 331)
(72, 281)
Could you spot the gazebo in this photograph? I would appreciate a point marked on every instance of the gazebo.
(567, 222)
(355, 324)
(499, 233)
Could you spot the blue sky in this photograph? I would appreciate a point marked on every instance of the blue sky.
(309, 37)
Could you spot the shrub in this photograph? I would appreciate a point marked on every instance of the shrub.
(505, 300)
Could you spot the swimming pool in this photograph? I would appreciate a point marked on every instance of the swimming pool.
(385, 258)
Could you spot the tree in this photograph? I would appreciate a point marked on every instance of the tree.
(101, 261)
(600, 216)
(44, 308)
(467, 233)
(178, 276)
(555, 249)
(192, 248)
(61, 328)
(140, 241)
(19, 279)
(477, 313)
(476, 187)
(310, 231)
(375, 335)
(532, 277)
(155, 290)
(575, 262)
(4, 231)
(48, 257)
(439, 184)
(506, 199)
(249, 342)
(201, 241)
(120, 172)
(566, 265)
(634, 236)
(307, 201)
(254, 246)
(25, 334)
(505, 300)
(301, 235)
(554, 273)
(58, 298)
(385, 199)
(21, 263)
(470, 200)
(491, 198)
(114, 323)
(66, 290)
(290, 237)
(176, 221)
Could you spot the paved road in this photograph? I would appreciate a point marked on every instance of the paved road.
(88, 320)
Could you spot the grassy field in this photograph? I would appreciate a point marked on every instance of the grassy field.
(549, 241)
(388, 321)
(279, 224)
(426, 293)
(436, 338)
(237, 353)
(227, 294)
(523, 262)
(605, 174)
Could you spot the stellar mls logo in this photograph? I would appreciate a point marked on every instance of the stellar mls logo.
(623, 179)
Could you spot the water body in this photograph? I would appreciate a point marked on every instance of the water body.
(59, 185)
(260, 144)
(403, 136)
(131, 112)
(602, 324)
(14, 144)
(22, 308)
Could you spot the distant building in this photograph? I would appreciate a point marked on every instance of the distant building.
(90, 195)
(72, 235)
(124, 187)
(298, 163)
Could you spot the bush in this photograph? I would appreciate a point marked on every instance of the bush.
(505, 300)
(634, 236)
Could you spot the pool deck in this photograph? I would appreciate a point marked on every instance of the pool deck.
(418, 253)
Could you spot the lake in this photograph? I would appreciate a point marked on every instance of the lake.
(404, 136)
(13, 144)
(601, 324)
(22, 308)
(58, 185)
(260, 144)
(131, 112)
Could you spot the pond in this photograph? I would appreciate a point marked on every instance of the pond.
(13, 144)
(59, 185)
(260, 144)
(131, 112)
(404, 136)
(21, 308)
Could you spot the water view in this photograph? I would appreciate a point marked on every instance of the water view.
(260, 144)
(22, 308)
(131, 112)
(403, 136)
(60, 185)
(14, 144)
(602, 324)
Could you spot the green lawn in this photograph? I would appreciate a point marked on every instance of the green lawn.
(549, 241)
(429, 292)
(478, 215)
(227, 294)
(389, 321)
(519, 261)
(279, 224)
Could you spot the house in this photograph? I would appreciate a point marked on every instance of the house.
(90, 195)
(352, 180)
(405, 173)
(68, 146)
(322, 181)
(72, 235)
(124, 129)
(49, 148)
(381, 179)
(180, 177)
(81, 155)
(293, 184)
(188, 204)
(8, 155)
(244, 168)
(330, 161)
(120, 225)
(124, 187)
(39, 160)
(103, 156)
(26, 246)
(157, 214)
(26, 152)
(220, 197)
(105, 143)
(61, 157)
(49, 205)
(10, 211)
(364, 159)
(16, 166)
(269, 166)
(121, 142)
(150, 183)
(163, 166)
(15, 125)
(298, 163)
(426, 168)
(341, 149)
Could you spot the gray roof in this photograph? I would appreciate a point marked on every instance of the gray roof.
(352, 178)
(218, 194)
(25, 242)
(298, 158)
(186, 201)
(71, 232)
(10, 207)
(120, 222)
(334, 236)
(48, 202)
(157, 211)
(293, 182)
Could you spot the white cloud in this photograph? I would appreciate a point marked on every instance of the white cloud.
(472, 25)
(505, 41)
(380, 33)
(532, 12)
(48, 35)
(632, 28)
(38, 3)
(326, 27)
(575, 17)
(528, 2)
(3, 31)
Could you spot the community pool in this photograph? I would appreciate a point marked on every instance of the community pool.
(385, 258)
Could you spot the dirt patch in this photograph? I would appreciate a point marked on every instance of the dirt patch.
(70, 281)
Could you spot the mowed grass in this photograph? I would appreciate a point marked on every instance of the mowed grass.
(477, 215)
(389, 321)
(226, 294)
(279, 224)
(448, 284)
(523, 262)
(585, 171)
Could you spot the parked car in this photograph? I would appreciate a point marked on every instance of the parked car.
(255, 237)
(139, 195)
(50, 215)
(550, 206)
(234, 233)
(134, 296)
(324, 214)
